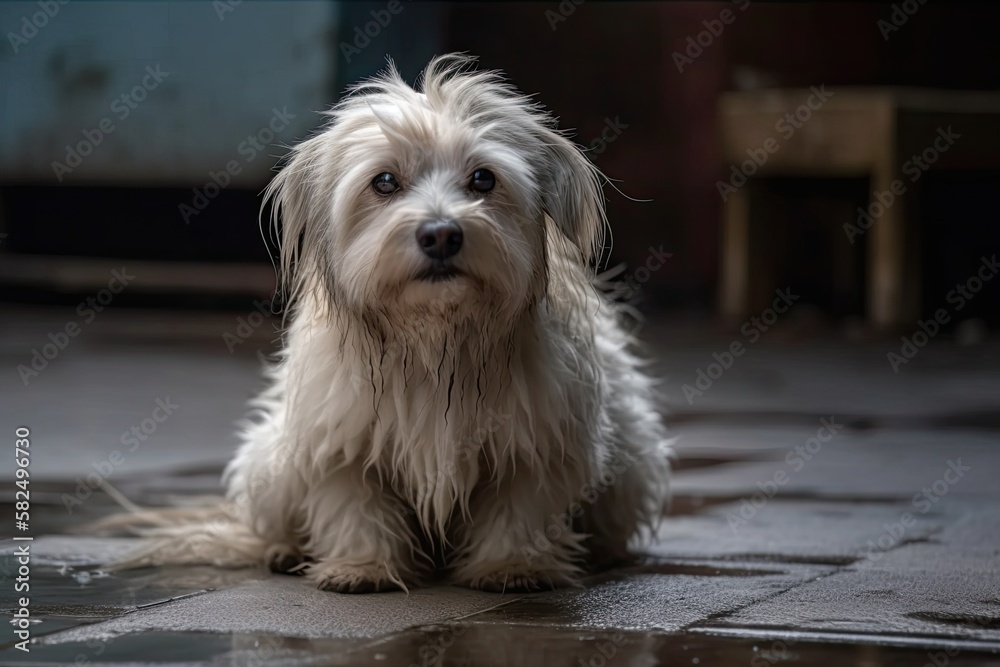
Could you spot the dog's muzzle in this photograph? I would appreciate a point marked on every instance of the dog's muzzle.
(440, 239)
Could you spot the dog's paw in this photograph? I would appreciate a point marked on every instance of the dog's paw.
(514, 581)
(514, 575)
(285, 559)
(511, 582)
(341, 578)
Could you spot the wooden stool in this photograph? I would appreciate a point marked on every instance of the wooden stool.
(891, 135)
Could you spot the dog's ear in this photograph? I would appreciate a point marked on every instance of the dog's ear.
(297, 217)
(571, 194)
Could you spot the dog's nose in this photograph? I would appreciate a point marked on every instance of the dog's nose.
(439, 239)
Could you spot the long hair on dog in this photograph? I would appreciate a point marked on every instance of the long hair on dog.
(453, 395)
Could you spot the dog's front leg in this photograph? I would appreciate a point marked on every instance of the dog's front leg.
(360, 540)
(520, 536)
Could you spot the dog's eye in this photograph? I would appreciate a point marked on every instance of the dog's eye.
(483, 180)
(385, 184)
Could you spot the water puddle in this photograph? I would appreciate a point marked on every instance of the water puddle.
(70, 595)
(961, 620)
(485, 645)
(693, 570)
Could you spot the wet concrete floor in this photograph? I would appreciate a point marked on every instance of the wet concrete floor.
(823, 571)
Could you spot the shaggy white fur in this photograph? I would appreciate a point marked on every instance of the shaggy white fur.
(479, 415)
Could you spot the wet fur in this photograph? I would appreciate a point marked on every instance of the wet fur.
(494, 427)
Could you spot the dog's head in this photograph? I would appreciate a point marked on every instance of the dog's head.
(435, 201)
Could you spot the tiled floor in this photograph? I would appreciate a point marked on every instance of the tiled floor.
(819, 569)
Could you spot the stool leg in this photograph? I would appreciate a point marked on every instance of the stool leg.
(886, 257)
(734, 269)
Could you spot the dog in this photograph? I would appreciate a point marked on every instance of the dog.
(454, 395)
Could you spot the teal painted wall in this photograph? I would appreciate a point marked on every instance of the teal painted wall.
(225, 66)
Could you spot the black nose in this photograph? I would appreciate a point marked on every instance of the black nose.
(439, 239)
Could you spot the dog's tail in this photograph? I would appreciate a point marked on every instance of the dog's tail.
(206, 534)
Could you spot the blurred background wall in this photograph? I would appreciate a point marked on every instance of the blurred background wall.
(175, 184)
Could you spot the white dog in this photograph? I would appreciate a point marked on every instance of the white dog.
(454, 394)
